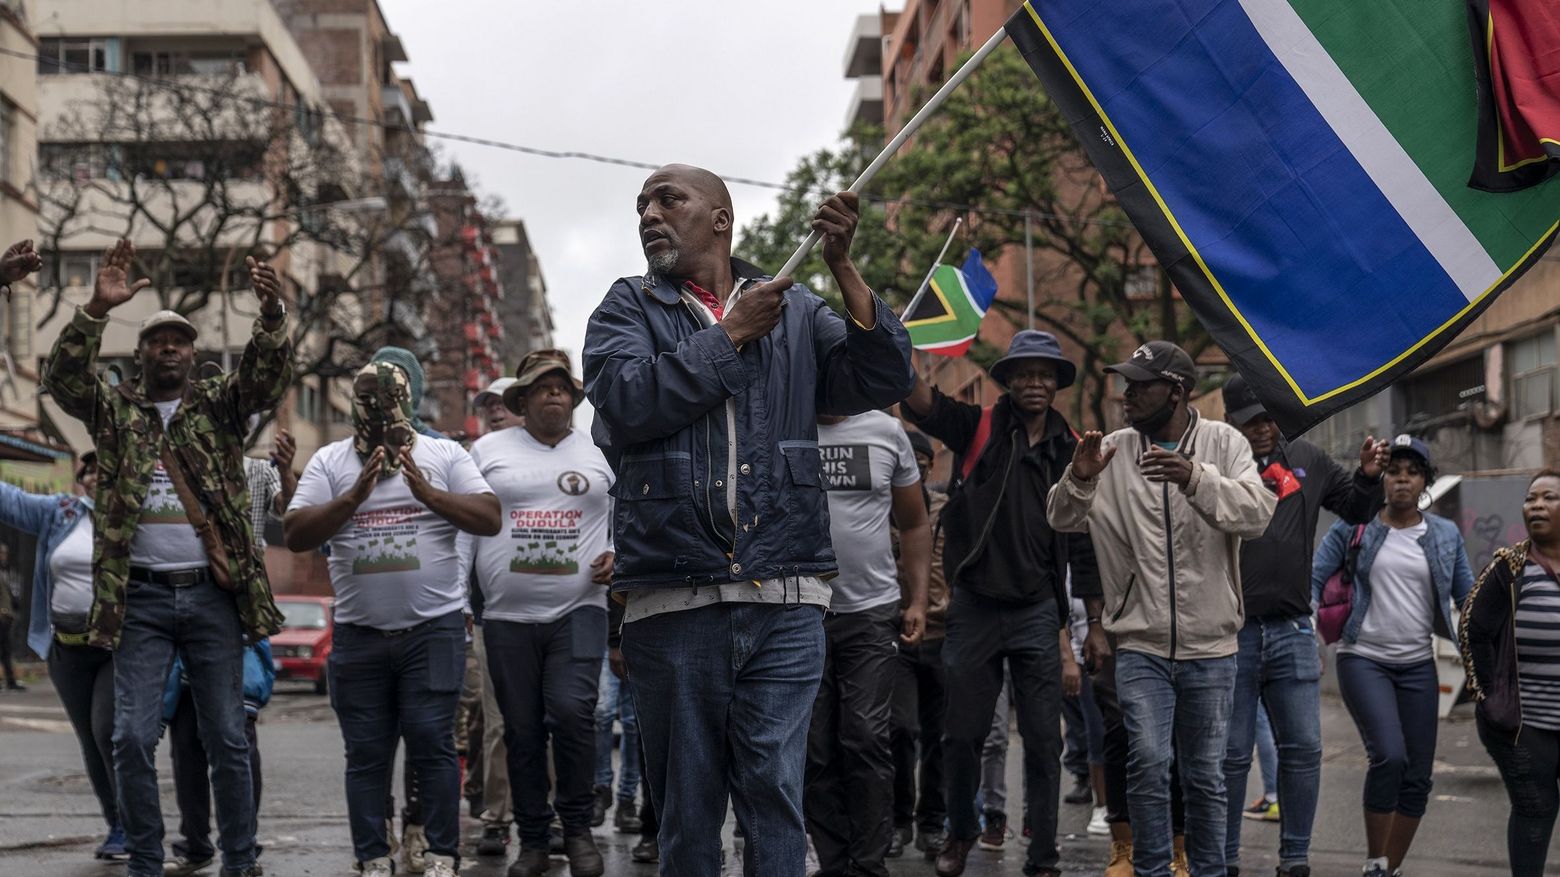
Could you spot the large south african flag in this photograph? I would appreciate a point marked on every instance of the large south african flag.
(1302, 168)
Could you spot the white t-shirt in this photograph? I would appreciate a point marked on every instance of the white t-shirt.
(70, 572)
(164, 538)
(393, 563)
(864, 458)
(557, 520)
(1399, 626)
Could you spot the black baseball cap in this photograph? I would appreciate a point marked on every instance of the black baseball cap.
(919, 443)
(1159, 361)
(1240, 403)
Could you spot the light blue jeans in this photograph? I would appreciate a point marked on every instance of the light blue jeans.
(1176, 711)
(614, 703)
(1278, 677)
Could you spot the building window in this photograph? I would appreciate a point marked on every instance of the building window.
(1532, 363)
(81, 162)
(21, 325)
(72, 56)
(309, 402)
(76, 271)
(167, 63)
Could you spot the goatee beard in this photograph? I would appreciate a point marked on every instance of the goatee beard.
(663, 262)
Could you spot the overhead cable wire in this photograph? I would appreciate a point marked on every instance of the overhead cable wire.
(575, 155)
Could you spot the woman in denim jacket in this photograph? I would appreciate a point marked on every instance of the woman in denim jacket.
(82, 675)
(1411, 566)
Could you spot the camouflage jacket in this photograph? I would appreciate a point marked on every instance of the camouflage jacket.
(207, 437)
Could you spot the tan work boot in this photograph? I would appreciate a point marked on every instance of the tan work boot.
(1120, 859)
(1179, 866)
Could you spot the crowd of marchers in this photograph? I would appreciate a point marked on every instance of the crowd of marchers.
(744, 565)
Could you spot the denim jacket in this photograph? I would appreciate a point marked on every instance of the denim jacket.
(259, 679)
(1443, 546)
(716, 449)
(50, 518)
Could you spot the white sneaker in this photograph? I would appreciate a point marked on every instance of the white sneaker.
(380, 867)
(440, 866)
(414, 849)
(1097, 823)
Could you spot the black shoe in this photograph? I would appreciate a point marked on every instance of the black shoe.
(252, 871)
(183, 864)
(584, 859)
(531, 863)
(931, 842)
(647, 851)
(15, 686)
(1296, 871)
(603, 801)
(896, 843)
(1082, 793)
(494, 842)
(625, 817)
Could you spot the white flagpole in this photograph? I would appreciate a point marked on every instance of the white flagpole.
(904, 134)
(921, 290)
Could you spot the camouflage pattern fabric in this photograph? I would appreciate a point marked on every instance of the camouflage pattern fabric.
(382, 414)
(207, 438)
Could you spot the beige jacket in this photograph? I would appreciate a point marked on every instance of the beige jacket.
(1170, 558)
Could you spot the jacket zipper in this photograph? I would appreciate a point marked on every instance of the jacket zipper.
(1170, 566)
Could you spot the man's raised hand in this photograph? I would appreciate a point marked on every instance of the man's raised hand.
(1374, 456)
(836, 221)
(756, 312)
(19, 261)
(268, 286)
(1088, 461)
(113, 287)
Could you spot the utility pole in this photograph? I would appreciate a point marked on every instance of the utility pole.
(1029, 268)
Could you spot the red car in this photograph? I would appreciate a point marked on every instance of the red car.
(302, 647)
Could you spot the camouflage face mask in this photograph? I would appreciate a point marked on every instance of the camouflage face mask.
(382, 414)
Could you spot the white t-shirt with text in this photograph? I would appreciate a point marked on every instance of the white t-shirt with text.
(393, 564)
(557, 520)
(864, 458)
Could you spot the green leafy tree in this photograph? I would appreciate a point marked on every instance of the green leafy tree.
(997, 150)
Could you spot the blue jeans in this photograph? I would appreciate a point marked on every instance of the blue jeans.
(201, 621)
(1279, 673)
(1176, 711)
(614, 702)
(1267, 757)
(1396, 709)
(724, 694)
(387, 686)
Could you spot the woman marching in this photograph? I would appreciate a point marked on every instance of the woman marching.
(1510, 640)
(1410, 566)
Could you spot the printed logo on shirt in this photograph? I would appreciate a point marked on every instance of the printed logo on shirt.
(546, 542)
(386, 540)
(574, 483)
(846, 467)
(162, 504)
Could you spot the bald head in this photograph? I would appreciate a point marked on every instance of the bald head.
(685, 219)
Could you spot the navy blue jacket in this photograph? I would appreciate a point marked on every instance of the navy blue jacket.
(675, 400)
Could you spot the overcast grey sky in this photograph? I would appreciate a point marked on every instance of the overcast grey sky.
(742, 87)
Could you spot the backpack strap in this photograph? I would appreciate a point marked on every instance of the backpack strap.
(977, 444)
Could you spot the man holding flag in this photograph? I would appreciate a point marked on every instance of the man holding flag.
(1007, 571)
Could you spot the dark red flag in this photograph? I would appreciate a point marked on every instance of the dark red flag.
(1516, 45)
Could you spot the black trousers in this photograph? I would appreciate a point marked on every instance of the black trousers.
(545, 678)
(848, 797)
(7, 622)
(916, 737)
(982, 634)
(83, 676)
(191, 778)
(1530, 767)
